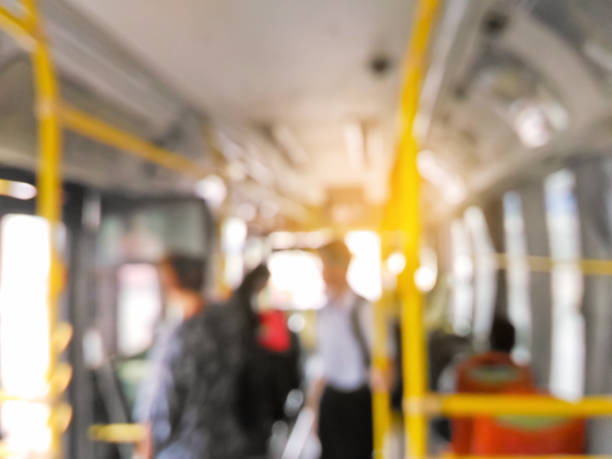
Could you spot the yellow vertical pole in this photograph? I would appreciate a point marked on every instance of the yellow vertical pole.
(49, 199)
(408, 181)
(381, 406)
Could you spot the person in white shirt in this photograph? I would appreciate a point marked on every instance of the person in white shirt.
(343, 394)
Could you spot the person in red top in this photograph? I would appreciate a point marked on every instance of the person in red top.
(271, 367)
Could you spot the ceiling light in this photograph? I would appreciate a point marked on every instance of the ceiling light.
(290, 144)
(355, 144)
(532, 126)
(212, 189)
(396, 263)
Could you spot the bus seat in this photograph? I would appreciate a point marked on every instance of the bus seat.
(524, 435)
(489, 373)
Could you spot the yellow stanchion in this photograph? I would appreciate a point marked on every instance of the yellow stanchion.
(405, 188)
(381, 406)
(49, 205)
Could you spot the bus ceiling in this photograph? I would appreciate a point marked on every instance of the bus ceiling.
(308, 128)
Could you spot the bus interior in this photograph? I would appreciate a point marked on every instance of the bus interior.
(459, 148)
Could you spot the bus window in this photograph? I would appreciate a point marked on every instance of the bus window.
(148, 229)
(24, 264)
(568, 328)
(139, 307)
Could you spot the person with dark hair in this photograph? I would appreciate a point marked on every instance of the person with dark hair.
(491, 372)
(502, 336)
(342, 397)
(190, 409)
(270, 369)
(252, 283)
(182, 279)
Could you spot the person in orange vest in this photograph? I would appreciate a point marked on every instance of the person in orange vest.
(490, 372)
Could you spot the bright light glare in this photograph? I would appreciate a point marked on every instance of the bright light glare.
(396, 263)
(430, 169)
(532, 126)
(212, 189)
(295, 280)
(24, 269)
(364, 274)
(425, 278)
(426, 275)
(234, 234)
(25, 425)
(18, 190)
(463, 267)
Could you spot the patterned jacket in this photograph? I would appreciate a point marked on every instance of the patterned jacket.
(193, 405)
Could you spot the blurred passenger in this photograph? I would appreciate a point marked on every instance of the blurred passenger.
(271, 365)
(191, 414)
(491, 372)
(502, 339)
(503, 335)
(343, 395)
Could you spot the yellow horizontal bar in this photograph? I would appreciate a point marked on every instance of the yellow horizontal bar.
(522, 456)
(588, 266)
(526, 405)
(117, 433)
(17, 28)
(88, 126)
(6, 397)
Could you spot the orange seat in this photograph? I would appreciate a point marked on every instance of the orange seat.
(488, 373)
(522, 435)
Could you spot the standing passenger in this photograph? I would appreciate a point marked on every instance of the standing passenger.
(191, 412)
(270, 369)
(344, 339)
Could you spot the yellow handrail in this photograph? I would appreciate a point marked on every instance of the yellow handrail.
(554, 456)
(117, 433)
(88, 126)
(29, 37)
(587, 266)
(17, 28)
(509, 404)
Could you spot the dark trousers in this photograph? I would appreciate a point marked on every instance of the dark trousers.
(345, 424)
